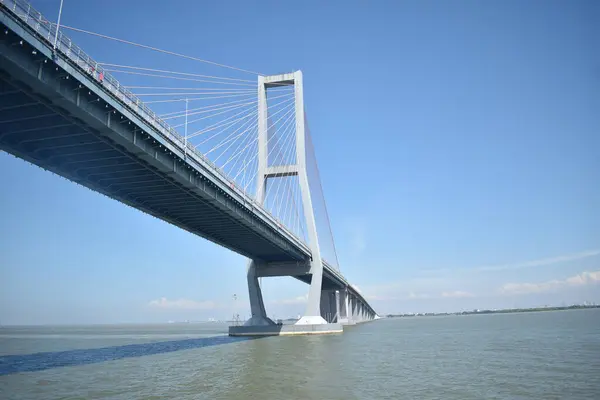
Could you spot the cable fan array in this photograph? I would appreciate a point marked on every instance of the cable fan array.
(222, 124)
(283, 197)
(218, 116)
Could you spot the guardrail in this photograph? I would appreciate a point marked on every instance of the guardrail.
(47, 31)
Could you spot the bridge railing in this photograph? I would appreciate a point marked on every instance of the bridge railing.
(47, 31)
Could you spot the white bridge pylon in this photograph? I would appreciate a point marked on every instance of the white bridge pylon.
(312, 315)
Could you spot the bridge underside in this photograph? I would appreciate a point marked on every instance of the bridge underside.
(34, 129)
(301, 271)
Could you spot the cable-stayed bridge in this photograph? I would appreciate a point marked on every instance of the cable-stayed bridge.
(228, 159)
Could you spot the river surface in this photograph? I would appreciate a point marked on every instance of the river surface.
(543, 355)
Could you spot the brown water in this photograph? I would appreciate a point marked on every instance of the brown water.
(546, 355)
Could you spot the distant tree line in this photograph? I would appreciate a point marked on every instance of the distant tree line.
(504, 311)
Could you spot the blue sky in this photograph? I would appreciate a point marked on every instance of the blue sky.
(458, 144)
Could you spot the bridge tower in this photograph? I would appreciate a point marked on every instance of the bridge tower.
(312, 315)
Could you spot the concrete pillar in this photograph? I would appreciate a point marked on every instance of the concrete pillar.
(329, 305)
(355, 316)
(311, 315)
(257, 306)
(350, 308)
(361, 311)
(343, 306)
(336, 305)
(338, 316)
(258, 314)
(347, 306)
(325, 306)
(339, 307)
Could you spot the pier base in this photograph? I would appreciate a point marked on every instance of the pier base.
(285, 330)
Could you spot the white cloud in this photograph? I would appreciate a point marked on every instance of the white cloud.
(457, 294)
(542, 261)
(442, 286)
(413, 295)
(182, 304)
(584, 278)
(525, 264)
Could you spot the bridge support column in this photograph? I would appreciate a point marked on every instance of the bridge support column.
(313, 313)
(257, 306)
(329, 306)
(338, 308)
(348, 309)
(349, 306)
(356, 310)
(312, 316)
(325, 305)
(344, 316)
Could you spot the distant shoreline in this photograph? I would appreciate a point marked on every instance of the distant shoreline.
(503, 311)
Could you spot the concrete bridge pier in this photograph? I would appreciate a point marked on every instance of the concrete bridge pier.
(344, 307)
(357, 310)
(322, 313)
(257, 306)
(329, 306)
(354, 309)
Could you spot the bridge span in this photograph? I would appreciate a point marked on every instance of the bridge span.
(60, 111)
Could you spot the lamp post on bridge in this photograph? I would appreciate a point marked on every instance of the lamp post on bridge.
(58, 24)
(185, 129)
